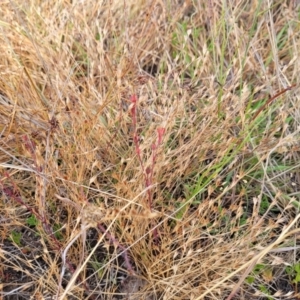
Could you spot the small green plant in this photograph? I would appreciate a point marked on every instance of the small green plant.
(264, 205)
(294, 272)
(257, 269)
(98, 267)
(15, 237)
(266, 273)
(57, 231)
(32, 221)
(265, 290)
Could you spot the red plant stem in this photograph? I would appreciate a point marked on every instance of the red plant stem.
(12, 192)
(149, 171)
(271, 100)
(114, 241)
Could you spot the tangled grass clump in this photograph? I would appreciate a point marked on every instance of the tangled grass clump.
(149, 149)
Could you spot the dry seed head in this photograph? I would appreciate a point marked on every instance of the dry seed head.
(92, 215)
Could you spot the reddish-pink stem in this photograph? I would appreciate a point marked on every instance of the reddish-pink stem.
(149, 171)
(114, 241)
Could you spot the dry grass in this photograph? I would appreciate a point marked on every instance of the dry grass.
(139, 159)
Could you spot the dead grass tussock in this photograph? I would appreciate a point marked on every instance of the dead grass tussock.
(84, 216)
